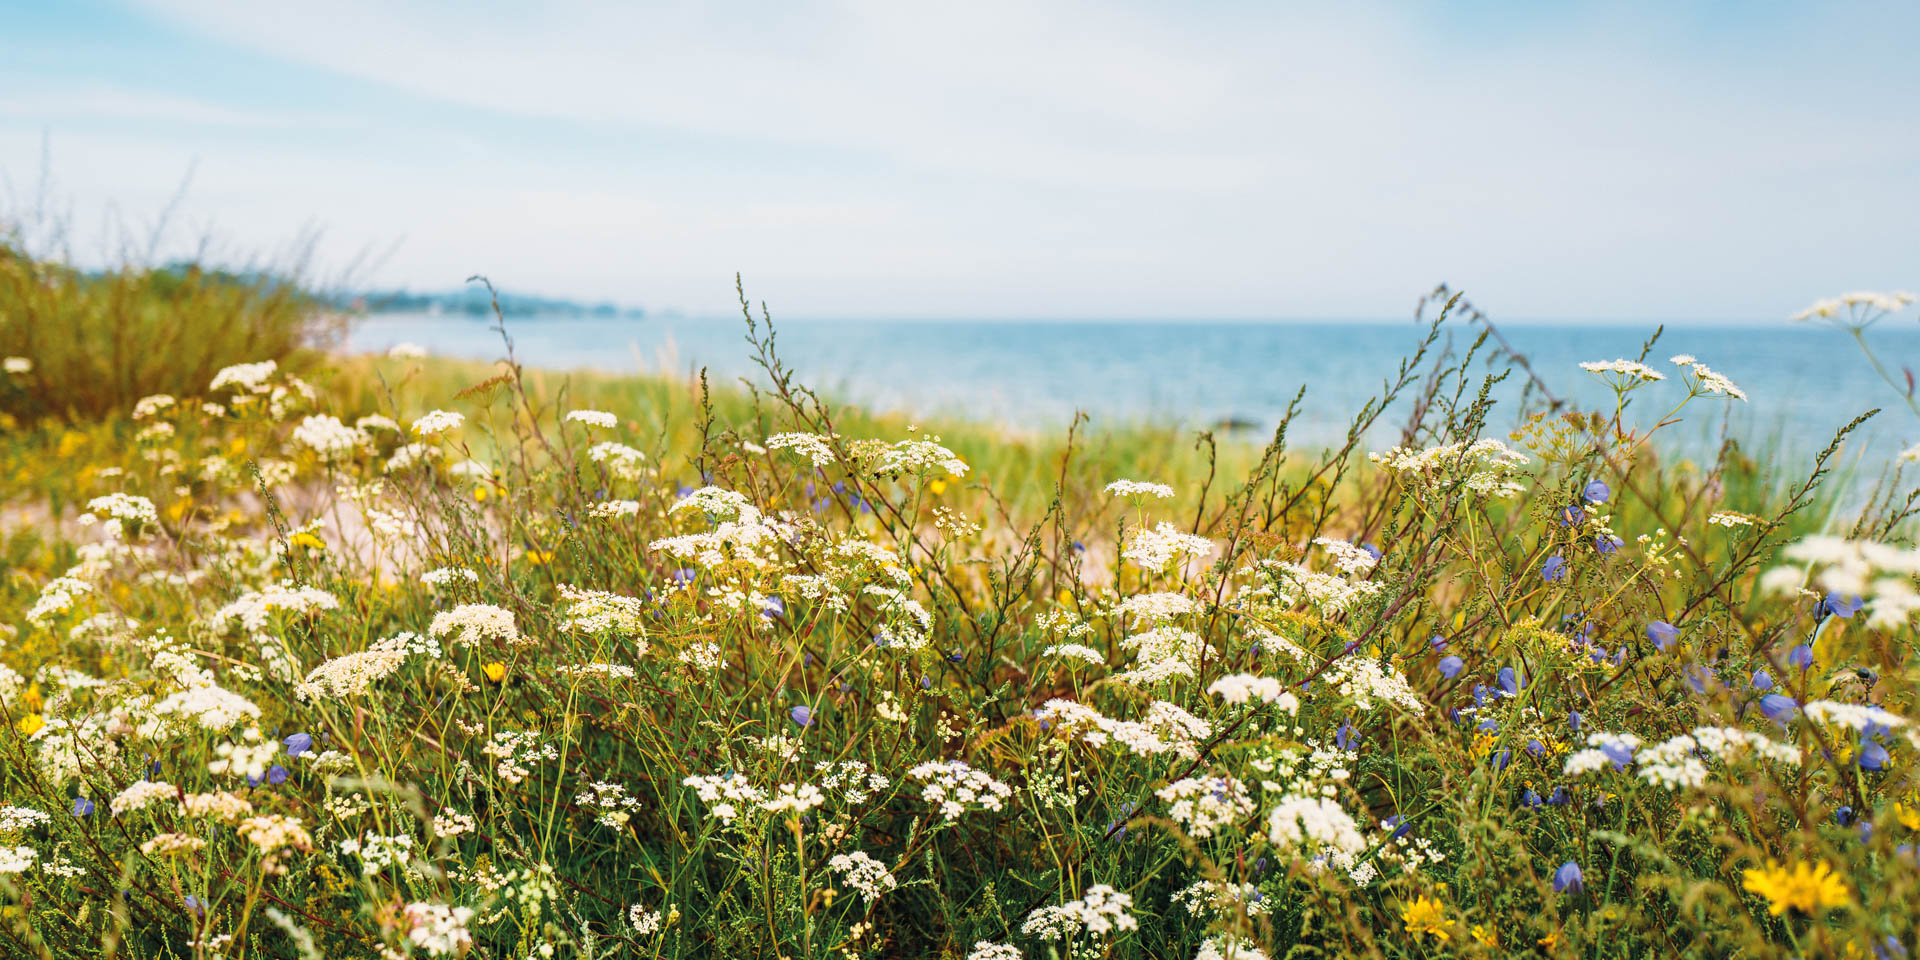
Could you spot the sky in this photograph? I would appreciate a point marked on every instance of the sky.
(1656, 161)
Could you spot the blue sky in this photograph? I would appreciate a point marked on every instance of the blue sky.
(996, 159)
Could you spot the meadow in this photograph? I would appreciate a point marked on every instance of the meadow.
(315, 656)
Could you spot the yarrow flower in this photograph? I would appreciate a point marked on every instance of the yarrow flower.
(1139, 488)
(436, 422)
(593, 418)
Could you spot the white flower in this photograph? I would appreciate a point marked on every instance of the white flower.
(244, 376)
(988, 950)
(1624, 372)
(1153, 549)
(1101, 911)
(436, 422)
(1139, 488)
(438, 929)
(326, 436)
(471, 623)
(863, 873)
(1205, 805)
(1299, 822)
(1243, 687)
(594, 418)
(919, 457)
(151, 406)
(814, 448)
(17, 365)
(406, 351)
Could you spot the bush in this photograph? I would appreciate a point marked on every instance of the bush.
(98, 342)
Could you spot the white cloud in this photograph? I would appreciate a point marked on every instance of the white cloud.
(1029, 159)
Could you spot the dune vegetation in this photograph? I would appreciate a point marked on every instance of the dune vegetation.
(318, 656)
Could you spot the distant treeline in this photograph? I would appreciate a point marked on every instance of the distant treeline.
(476, 302)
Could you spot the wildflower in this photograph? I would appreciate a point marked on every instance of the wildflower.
(470, 623)
(988, 950)
(244, 376)
(1607, 543)
(17, 365)
(330, 439)
(802, 716)
(816, 449)
(1509, 682)
(495, 671)
(1554, 569)
(437, 929)
(1662, 634)
(1843, 607)
(1762, 680)
(406, 351)
(1801, 656)
(1569, 877)
(1425, 916)
(1100, 911)
(1138, 488)
(1596, 491)
(82, 807)
(1805, 888)
(863, 873)
(593, 418)
(436, 422)
(1777, 707)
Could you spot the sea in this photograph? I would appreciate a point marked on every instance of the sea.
(1236, 378)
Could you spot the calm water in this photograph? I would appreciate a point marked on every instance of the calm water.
(1804, 382)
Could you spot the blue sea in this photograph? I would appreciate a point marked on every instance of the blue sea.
(1804, 382)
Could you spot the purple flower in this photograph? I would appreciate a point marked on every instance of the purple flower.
(1699, 677)
(1573, 720)
(1569, 877)
(1662, 634)
(1762, 680)
(1400, 826)
(1801, 656)
(801, 716)
(1873, 756)
(773, 607)
(1372, 551)
(82, 807)
(1451, 665)
(1619, 753)
(276, 775)
(1554, 569)
(926, 682)
(1509, 682)
(1607, 543)
(1840, 606)
(298, 744)
(1597, 492)
(1439, 643)
(1569, 516)
(1777, 707)
(195, 904)
(1344, 738)
(1531, 798)
(1536, 748)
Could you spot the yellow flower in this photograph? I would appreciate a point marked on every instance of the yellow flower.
(1484, 936)
(1424, 915)
(480, 494)
(30, 724)
(1806, 888)
(308, 540)
(1549, 941)
(495, 671)
(937, 486)
(1908, 815)
(539, 557)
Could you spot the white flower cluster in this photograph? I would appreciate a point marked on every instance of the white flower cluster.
(1162, 653)
(328, 438)
(794, 798)
(1366, 681)
(614, 805)
(1704, 381)
(815, 448)
(1347, 557)
(863, 873)
(433, 423)
(1101, 911)
(1156, 607)
(624, 462)
(725, 795)
(1307, 823)
(438, 929)
(250, 377)
(121, 506)
(1204, 805)
(1332, 595)
(919, 457)
(1623, 374)
(1139, 488)
(593, 418)
(1883, 575)
(254, 609)
(1152, 550)
(1239, 688)
(515, 749)
(470, 624)
(443, 577)
(140, 795)
(1487, 464)
(1166, 729)
(1861, 307)
(955, 788)
(354, 674)
(1228, 947)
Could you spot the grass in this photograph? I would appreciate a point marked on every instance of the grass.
(667, 680)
